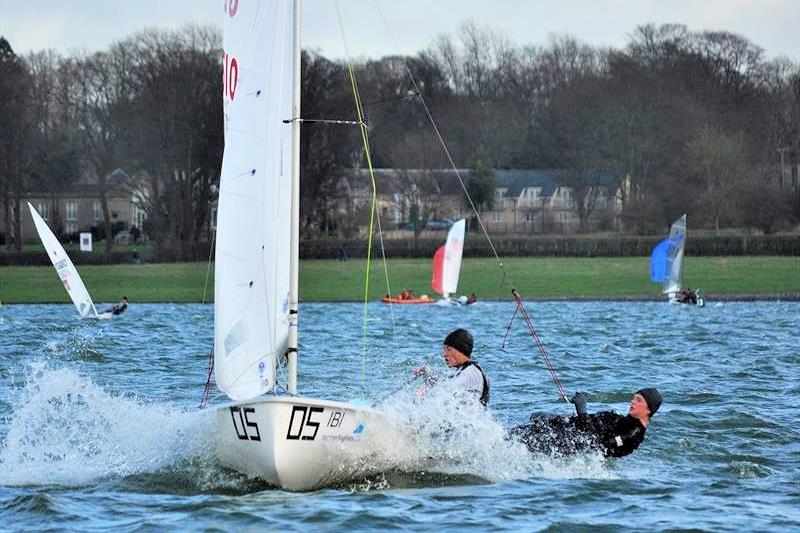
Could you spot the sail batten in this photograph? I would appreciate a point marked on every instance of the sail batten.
(251, 318)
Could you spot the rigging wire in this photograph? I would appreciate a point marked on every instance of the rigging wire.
(374, 200)
(207, 387)
(520, 306)
(388, 287)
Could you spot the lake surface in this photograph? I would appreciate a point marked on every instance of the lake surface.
(99, 426)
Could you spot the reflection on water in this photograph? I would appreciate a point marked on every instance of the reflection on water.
(96, 416)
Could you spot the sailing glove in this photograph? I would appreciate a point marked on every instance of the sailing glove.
(579, 399)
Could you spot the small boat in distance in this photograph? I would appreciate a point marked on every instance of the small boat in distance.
(666, 266)
(408, 297)
(67, 272)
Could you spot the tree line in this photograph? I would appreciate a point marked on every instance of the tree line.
(694, 122)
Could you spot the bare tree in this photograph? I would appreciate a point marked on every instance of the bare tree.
(179, 127)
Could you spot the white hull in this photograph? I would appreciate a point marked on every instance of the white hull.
(302, 443)
(673, 299)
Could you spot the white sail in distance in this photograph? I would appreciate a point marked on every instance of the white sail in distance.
(451, 267)
(677, 236)
(251, 289)
(67, 272)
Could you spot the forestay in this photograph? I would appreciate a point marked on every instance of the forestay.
(67, 272)
(251, 312)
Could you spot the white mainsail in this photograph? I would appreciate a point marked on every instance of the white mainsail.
(251, 290)
(677, 238)
(293, 442)
(447, 263)
(67, 272)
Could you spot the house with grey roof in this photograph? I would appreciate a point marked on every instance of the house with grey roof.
(547, 201)
(77, 208)
(525, 200)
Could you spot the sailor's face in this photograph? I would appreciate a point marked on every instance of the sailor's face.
(453, 357)
(638, 407)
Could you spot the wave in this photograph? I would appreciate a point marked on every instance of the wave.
(66, 430)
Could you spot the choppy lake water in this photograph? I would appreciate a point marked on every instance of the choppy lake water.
(99, 427)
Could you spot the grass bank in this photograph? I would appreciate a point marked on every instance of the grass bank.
(328, 280)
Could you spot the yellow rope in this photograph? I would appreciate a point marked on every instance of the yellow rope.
(374, 202)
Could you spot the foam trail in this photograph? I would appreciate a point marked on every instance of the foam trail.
(66, 430)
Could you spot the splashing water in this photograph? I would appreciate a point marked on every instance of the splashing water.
(456, 435)
(66, 430)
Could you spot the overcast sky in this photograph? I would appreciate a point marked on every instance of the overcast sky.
(64, 25)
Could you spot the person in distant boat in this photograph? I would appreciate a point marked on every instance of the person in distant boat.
(612, 434)
(687, 296)
(471, 299)
(691, 296)
(118, 308)
(407, 295)
(468, 375)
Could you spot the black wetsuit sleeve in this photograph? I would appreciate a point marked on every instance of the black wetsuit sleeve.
(618, 435)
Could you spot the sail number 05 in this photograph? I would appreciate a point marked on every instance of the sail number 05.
(246, 429)
(301, 424)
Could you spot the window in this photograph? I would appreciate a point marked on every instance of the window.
(529, 217)
(72, 211)
(72, 227)
(498, 196)
(139, 216)
(563, 217)
(533, 197)
(41, 207)
(98, 212)
(495, 217)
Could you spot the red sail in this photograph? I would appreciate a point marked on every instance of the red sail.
(438, 265)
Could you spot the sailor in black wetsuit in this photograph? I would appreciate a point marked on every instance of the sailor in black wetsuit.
(118, 308)
(613, 434)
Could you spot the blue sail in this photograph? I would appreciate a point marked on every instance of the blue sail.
(659, 261)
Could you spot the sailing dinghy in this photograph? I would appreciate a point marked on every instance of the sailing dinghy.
(67, 272)
(666, 265)
(290, 441)
(447, 263)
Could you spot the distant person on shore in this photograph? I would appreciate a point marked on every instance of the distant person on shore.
(468, 375)
(612, 434)
(118, 308)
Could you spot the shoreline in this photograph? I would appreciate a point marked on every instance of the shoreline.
(710, 298)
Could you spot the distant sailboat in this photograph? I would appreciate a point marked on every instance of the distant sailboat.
(666, 265)
(447, 262)
(290, 441)
(66, 270)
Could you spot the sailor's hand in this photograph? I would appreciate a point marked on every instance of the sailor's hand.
(579, 399)
(420, 371)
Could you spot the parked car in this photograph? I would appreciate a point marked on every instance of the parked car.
(431, 224)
